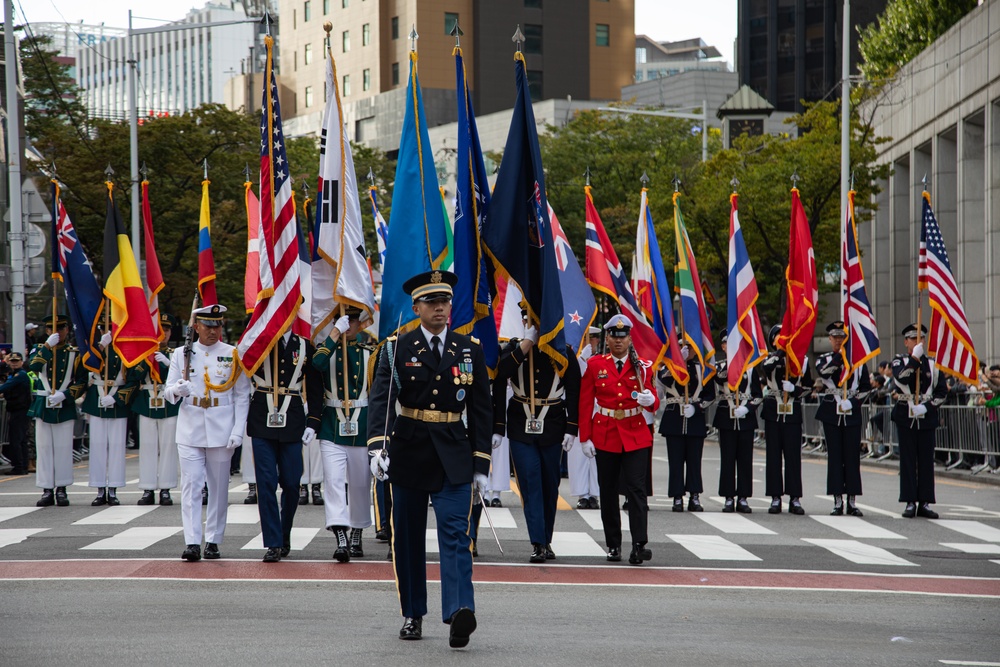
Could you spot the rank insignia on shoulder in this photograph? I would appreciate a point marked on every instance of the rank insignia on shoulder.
(475, 340)
(905, 374)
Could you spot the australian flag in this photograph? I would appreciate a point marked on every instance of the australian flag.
(516, 232)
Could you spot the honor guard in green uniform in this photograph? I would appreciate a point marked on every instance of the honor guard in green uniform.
(343, 433)
(60, 379)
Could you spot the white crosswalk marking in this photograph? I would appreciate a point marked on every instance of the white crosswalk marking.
(855, 527)
(10, 536)
(247, 514)
(134, 539)
(431, 541)
(971, 528)
(501, 517)
(13, 512)
(712, 547)
(733, 523)
(857, 552)
(973, 547)
(301, 537)
(593, 519)
(116, 515)
(575, 544)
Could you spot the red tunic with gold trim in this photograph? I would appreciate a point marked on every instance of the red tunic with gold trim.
(615, 423)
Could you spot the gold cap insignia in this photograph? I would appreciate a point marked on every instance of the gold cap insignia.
(436, 277)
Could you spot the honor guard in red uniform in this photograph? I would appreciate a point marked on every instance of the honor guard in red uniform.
(619, 386)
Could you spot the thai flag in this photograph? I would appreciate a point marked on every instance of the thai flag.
(745, 342)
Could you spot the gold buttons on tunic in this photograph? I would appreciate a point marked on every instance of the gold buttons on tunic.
(437, 377)
(434, 391)
(432, 406)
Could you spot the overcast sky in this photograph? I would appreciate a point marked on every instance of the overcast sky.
(663, 20)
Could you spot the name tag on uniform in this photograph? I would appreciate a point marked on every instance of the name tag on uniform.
(348, 429)
(533, 426)
(275, 420)
(155, 402)
(786, 408)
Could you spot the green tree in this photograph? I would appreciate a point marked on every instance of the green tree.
(903, 30)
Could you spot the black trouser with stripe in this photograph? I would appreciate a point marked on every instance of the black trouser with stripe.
(783, 441)
(684, 460)
(843, 450)
(736, 468)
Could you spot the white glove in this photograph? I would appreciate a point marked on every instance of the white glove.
(52, 340)
(588, 449)
(162, 358)
(787, 387)
(496, 440)
(530, 333)
(234, 441)
(107, 401)
(688, 411)
(586, 353)
(308, 435)
(380, 465)
(106, 339)
(685, 352)
(343, 324)
(55, 399)
(479, 482)
(182, 388)
(919, 410)
(741, 411)
(846, 405)
(646, 398)
(918, 350)
(568, 441)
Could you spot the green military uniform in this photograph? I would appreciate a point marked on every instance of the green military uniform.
(148, 400)
(117, 378)
(108, 427)
(330, 355)
(157, 431)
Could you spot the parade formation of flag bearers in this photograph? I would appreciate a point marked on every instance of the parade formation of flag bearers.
(413, 415)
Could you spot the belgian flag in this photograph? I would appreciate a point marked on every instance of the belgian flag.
(132, 331)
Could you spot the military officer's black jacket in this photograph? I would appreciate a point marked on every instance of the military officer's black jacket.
(829, 366)
(771, 373)
(512, 417)
(750, 396)
(933, 391)
(310, 383)
(423, 454)
(699, 394)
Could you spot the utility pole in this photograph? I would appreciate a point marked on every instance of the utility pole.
(845, 112)
(14, 154)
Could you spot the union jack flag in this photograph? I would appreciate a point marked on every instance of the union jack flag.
(950, 341)
(862, 336)
(281, 294)
(745, 343)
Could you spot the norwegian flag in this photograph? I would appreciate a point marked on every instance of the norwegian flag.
(950, 341)
(281, 294)
(745, 343)
(862, 335)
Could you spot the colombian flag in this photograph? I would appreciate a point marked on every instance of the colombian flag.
(206, 261)
(133, 334)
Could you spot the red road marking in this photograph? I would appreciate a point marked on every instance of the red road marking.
(564, 575)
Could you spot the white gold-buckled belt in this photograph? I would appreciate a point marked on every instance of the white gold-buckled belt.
(205, 402)
(619, 413)
(337, 403)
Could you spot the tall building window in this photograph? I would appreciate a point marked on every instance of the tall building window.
(307, 55)
(326, 7)
(295, 61)
(345, 40)
(345, 3)
(535, 84)
(533, 4)
(395, 27)
(395, 74)
(309, 96)
(603, 35)
(306, 10)
(345, 89)
(366, 34)
(366, 79)
(450, 19)
(532, 38)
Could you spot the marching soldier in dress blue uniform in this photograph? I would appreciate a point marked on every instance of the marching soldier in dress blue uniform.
(343, 434)
(60, 382)
(840, 413)
(782, 415)
(683, 426)
(736, 419)
(157, 424)
(919, 390)
(540, 421)
(435, 374)
(278, 427)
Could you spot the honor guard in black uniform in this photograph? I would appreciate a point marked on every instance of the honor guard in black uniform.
(683, 425)
(435, 375)
(782, 415)
(279, 426)
(919, 390)
(16, 391)
(540, 421)
(736, 419)
(840, 412)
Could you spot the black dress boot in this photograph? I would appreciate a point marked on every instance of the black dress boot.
(101, 499)
(343, 552)
(165, 498)
(251, 498)
(46, 500)
(356, 550)
(148, 498)
(303, 494)
(317, 494)
(62, 500)
(113, 496)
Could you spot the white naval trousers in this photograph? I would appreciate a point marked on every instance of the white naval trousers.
(157, 453)
(499, 479)
(313, 466)
(53, 454)
(198, 465)
(346, 497)
(107, 451)
(582, 473)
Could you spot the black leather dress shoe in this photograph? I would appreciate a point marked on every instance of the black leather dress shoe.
(537, 554)
(743, 507)
(775, 507)
(910, 511)
(583, 503)
(251, 498)
(837, 510)
(925, 511)
(614, 554)
(192, 553)
(212, 551)
(148, 498)
(496, 503)
(729, 507)
(303, 495)
(62, 500)
(635, 558)
(382, 534)
(113, 497)
(854, 511)
(694, 505)
(273, 555)
(594, 503)
(678, 505)
(795, 507)
(165, 498)
(317, 494)
(412, 629)
(101, 499)
(286, 545)
(549, 553)
(47, 500)
(463, 624)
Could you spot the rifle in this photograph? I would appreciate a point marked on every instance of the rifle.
(189, 338)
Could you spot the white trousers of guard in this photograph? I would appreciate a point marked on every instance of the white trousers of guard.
(246, 461)
(157, 453)
(348, 478)
(198, 466)
(53, 454)
(107, 451)
(582, 474)
(313, 467)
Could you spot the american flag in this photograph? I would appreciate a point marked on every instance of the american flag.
(745, 343)
(862, 335)
(281, 294)
(950, 341)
